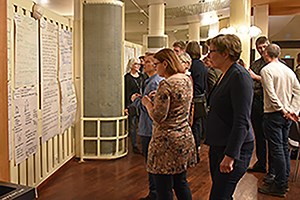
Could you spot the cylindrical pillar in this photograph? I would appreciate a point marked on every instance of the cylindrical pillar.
(77, 57)
(261, 20)
(156, 18)
(156, 38)
(194, 31)
(240, 18)
(4, 160)
(102, 71)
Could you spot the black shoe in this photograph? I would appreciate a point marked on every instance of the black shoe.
(287, 188)
(269, 178)
(148, 197)
(257, 168)
(136, 150)
(272, 189)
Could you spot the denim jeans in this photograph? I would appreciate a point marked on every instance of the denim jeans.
(133, 123)
(145, 140)
(277, 132)
(224, 184)
(165, 184)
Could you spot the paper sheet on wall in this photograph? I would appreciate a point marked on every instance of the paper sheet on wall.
(50, 111)
(25, 122)
(69, 105)
(9, 120)
(128, 53)
(26, 48)
(65, 55)
(50, 89)
(68, 95)
(9, 48)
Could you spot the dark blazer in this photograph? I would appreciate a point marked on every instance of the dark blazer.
(228, 120)
(132, 86)
(199, 76)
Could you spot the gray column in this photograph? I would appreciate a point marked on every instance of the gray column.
(102, 67)
(156, 38)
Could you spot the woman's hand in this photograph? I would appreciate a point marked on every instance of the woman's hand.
(152, 94)
(226, 165)
(146, 100)
(126, 111)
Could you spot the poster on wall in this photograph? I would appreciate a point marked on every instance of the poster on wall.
(26, 51)
(128, 54)
(25, 122)
(67, 89)
(69, 105)
(49, 79)
(9, 48)
(9, 101)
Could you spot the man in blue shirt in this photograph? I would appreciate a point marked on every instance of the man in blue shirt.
(145, 122)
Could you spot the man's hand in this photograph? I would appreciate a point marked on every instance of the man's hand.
(134, 96)
(254, 76)
(226, 165)
(290, 115)
(126, 111)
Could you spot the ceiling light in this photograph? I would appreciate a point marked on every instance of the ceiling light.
(254, 31)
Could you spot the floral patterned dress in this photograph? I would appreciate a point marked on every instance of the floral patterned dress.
(172, 148)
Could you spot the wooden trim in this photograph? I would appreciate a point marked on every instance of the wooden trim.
(4, 160)
(288, 44)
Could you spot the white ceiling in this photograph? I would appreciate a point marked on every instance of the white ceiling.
(178, 14)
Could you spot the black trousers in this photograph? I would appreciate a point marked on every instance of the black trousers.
(257, 113)
(165, 184)
(224, 184)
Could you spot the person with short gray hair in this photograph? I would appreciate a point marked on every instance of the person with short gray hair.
(179, 47)
(273, 51)
(229, 131)
(186, 61)
(281, 106)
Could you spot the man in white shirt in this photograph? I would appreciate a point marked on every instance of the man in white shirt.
(281, 105)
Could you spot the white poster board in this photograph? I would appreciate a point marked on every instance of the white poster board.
(49, 78)
(26, 51)
(68, 95)
(25, 122)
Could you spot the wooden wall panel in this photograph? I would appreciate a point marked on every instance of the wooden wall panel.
(4, 162)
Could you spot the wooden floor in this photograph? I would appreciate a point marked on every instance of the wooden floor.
(126, 179)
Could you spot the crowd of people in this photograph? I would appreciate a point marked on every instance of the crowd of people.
(176, 102)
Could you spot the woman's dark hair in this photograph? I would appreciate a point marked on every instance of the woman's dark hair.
(193, 49)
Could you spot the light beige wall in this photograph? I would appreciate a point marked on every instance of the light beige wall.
(290, 31)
